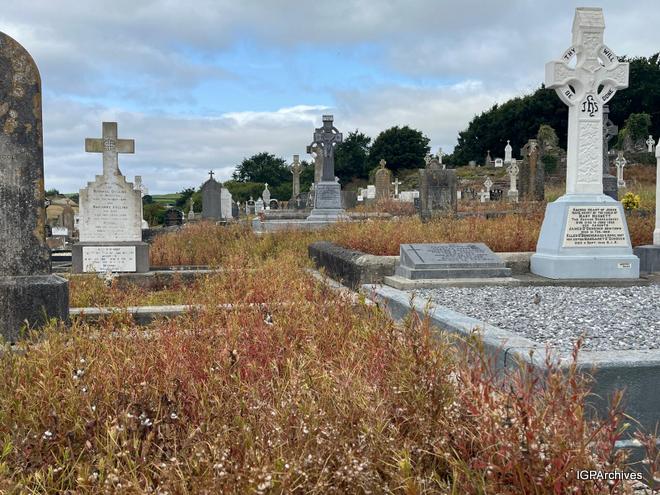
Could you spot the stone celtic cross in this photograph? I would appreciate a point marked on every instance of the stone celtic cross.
(327, 137)
(650, 143)
(620, 162)
(488, 183)
(513, 171)
(110, 146)
(440, 155)
(585, 88)
(396, 185)
(295, 170)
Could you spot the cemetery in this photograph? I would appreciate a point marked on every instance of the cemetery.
(363, 316)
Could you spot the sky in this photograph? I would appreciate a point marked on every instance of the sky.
(201, 85)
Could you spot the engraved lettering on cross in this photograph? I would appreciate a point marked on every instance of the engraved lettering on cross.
(110, 146)
(585, 88)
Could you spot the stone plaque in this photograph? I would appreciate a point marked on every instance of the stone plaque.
(594, 227)
(328, 195)
(111, 210)
(464, 260)
(109, 258)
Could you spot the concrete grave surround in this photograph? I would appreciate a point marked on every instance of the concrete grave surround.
(211, 199)
(28, 290)
(461, 260)
(584, 233)
(110, 213)
(327, 193)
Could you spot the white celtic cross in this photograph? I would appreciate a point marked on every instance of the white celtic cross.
(585, 88)
(110, 146)
(650, 143)
(620, 162)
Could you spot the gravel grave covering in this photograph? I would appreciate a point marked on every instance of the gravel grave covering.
(609, 318)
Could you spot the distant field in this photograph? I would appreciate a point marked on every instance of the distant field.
(165, 199)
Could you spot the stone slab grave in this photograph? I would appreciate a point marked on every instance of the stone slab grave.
(584, 233)
(28, 290)
(430, 262)
(110, 214)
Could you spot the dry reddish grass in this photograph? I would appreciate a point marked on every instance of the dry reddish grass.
(318, 397)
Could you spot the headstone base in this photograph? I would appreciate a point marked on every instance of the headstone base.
(513, 196)
(327, 203)
(649, 258)
(597, 245)
(34, 298)
(94, 257)
(610, 187)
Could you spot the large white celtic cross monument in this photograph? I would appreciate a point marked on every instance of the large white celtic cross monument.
(585, 87)
(584, 233)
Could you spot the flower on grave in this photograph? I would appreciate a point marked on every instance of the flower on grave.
(630, 201)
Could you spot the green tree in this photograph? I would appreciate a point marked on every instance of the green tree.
(52, 192)
(241, 191)
(263, 167)
(184, 197)
(401, 147)
(147, 199)
(154, 213)
(351, 157)
(637, 128)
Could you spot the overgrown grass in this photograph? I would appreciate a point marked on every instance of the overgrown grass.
(320, 396)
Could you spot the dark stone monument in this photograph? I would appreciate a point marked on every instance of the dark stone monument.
(68, 220)
(532, 174)
(173, 217)
(434, 261)
(211, 199)
(610, 186)
(234, 210)
(327, 192)
(348, 199)
(28, 290)
(437, 192)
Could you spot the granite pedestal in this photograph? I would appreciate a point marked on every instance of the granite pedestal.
(584, 236)
(327, 203)
(35, 299)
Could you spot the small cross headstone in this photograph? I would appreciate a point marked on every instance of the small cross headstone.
(513, 170)
(620, 162)
(396, 185)
(295, 171)
(650, 143)
(383, 181)
(440, 155)
(110, 213)
(488, 183)
(28, 290)
(191, 211)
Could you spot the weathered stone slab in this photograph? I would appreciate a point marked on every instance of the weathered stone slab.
(28, 292)
(464, 260)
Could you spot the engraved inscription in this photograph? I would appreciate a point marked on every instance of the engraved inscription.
(595, 226)
(109, 258)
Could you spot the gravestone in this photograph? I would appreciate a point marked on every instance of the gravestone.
(235, 209)
(620, 162)
(437, 261)
(68, 220)
(488, 161)
(28, 290)
(211, 199)
(609, 131)
(110, 227)
(371, 191)
(173, 217)
(440, 155)
(396, 185)
(143, 190)
(649, 255)
(383, 179)
(499, 163)
(250, 207)
(584, 233)
(327, 193)
(508, 152)
(265, 195)
(226, 201)
(532, 175)
(348, 199)
(317, 151)
(437, 190)
(296, 168)
(259, 205)
(513, 177)
(191, 211)
(650, 144)
(273, 204)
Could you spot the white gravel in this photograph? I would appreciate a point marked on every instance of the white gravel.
(609, 318)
